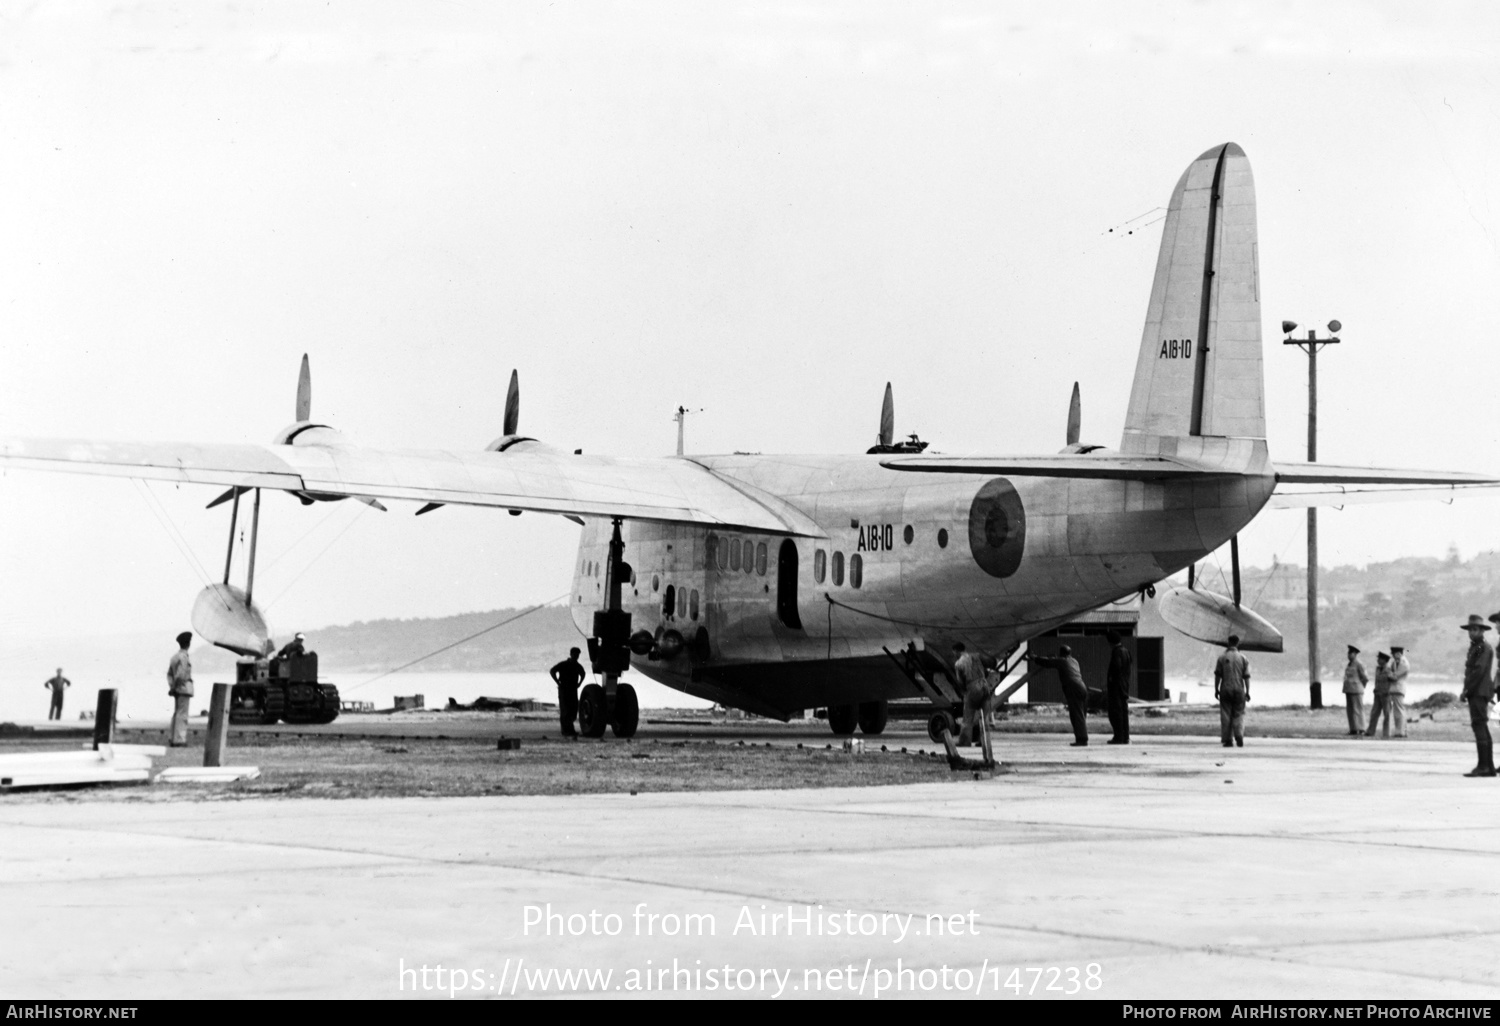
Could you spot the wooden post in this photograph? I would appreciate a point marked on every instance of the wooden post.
(104, 717)
(218, 727)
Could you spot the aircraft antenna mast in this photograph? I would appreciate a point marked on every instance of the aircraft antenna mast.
(681, 417)
(1310, 346)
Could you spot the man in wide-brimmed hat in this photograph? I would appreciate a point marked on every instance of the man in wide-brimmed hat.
(1355, 679)
(1479, 690)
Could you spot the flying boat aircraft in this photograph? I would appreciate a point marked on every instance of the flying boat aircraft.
(780, 583)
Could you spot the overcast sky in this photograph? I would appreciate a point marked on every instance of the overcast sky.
(763, 210)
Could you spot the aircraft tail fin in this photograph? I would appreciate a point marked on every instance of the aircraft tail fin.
(1199, 369)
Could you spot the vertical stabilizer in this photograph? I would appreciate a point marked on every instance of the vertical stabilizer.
(1199, 369)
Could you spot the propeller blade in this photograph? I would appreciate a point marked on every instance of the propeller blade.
(236, 490)
(512, 405)
(429, 508)
(304, 392)
(888, 417)
(1075, 416)
(372, 502)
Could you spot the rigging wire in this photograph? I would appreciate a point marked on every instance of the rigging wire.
(308, 565)
(327, 516)
(460, 641)
(176, 537)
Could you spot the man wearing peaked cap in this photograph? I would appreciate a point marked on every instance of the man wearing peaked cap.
(1479, 691)
(1355, 680)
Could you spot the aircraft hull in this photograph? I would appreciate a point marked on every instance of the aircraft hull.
(937, 564)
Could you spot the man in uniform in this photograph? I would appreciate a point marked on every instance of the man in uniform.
(1355, 680)
(1380, 704)
(1396, 697)
(1232, 690)
(180, 687)
(968, 671)
(1075, 691)
(1117, 688)
(57, 684)
(568, 674)
(1479, 689)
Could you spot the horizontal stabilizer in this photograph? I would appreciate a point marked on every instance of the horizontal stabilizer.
(1104, 467)
(1328, 473)
(1339, 496)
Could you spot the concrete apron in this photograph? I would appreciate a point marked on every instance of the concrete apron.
(1168, 868)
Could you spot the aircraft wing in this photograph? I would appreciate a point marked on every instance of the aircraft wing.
(1082, 465)
(1329, 484)
(663, 489)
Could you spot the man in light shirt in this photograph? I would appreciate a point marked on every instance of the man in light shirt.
(180, 687)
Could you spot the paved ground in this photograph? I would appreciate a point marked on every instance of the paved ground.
(1171, 868)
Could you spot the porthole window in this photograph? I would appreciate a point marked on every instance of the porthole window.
(838, 568)
(655, 583)
(682, 603)
(856, 570)
(820, 565)
(907, 534)
(734, 554)
(942, 537)
(712, 551)
(760, 559)
(693, 604)
(723, 554)
(669, 600)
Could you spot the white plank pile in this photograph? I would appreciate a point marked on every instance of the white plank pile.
(206, 774)
(111, 764)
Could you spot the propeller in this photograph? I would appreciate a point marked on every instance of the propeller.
(888, 417)
(304, 392)
(1075, 416)
(509, 424)
(512, 404)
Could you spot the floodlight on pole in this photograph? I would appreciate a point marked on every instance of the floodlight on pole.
(1310, 346)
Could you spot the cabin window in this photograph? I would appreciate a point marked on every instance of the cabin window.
(682, 602)
(669, 600)
(655, 583)
(838, 568)
(760, 559)
(712, 550)
(820, 565)
(907, 534)
(734, 554)
(723, 554)
(856, 570)
(693, 604)
(749, 556)
(942, 537)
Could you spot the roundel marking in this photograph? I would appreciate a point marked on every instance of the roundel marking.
(997, 528)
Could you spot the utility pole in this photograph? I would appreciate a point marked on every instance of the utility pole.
(1310, 346)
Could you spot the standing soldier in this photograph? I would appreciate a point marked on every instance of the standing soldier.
(1232, 690)
(1075, 691)
(180, 687)
(568, 674)
(1117, 689)
(57, 684)
(1479, 689)
(1355, 680)
(1380, 704)
(1396, 697)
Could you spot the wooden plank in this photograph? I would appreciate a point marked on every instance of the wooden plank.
(206, 774)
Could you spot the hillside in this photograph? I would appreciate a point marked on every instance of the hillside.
(533, 642)
(1415, 602)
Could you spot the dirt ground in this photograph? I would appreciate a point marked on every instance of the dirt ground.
(456, 754)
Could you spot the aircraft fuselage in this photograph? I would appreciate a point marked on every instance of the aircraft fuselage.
(776, 623)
